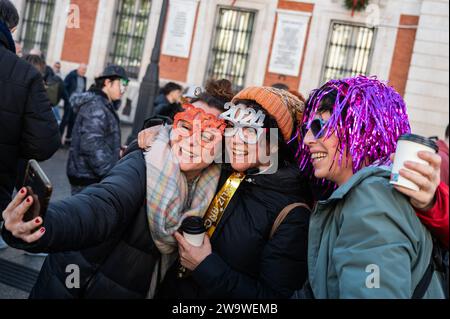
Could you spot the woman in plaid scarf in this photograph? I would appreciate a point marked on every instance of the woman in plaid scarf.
(115, 232)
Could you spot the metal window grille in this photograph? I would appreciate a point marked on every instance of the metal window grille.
(129, 35)
(230, 51)
(37, 24)
(349, 52)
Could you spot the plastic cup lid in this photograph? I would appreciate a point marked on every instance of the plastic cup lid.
(421, 140)
(193, 225)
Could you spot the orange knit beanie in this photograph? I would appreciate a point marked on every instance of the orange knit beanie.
(283, 106)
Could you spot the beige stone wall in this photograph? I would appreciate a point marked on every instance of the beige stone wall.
(427, 90)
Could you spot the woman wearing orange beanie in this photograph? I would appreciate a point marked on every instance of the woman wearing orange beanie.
(245, 255)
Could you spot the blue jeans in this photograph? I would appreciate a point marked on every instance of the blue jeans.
(56, 113)
(68, 121)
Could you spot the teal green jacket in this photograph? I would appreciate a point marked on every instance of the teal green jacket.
(366, 241)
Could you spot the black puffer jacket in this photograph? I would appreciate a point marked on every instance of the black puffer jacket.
(245, 263)
(96, 138)
(104, 231)
(28, 128)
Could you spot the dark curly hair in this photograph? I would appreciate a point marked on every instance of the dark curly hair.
(216, 94)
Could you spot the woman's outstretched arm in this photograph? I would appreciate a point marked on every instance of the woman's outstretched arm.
(100, 212)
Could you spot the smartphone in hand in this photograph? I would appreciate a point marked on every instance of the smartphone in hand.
(39, 187)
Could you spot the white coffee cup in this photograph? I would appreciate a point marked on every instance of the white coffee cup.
(408, 148)
(194, 230)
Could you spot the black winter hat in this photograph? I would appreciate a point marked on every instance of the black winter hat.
(114, 71)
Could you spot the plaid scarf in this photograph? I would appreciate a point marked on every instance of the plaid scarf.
(167, 192)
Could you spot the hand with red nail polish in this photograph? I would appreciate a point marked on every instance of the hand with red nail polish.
(13, 216)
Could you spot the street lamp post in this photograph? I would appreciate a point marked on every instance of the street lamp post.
(150, 83)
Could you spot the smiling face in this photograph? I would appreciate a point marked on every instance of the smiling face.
(194, 145)
(245, 139)
(325, 156)
(244, 156)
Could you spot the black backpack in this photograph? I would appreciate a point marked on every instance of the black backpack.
(438, 262)
(53, 87)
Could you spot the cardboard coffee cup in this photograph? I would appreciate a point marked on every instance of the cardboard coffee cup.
(408, 148)
(194, 230)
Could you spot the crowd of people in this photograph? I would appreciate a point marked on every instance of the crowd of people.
(295, 192)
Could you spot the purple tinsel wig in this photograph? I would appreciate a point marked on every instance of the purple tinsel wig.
(368, 118)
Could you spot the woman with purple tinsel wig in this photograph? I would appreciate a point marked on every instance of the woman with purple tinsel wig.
(365, 241)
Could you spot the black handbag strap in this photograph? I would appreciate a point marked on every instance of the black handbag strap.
(436, 264)
(425, 282)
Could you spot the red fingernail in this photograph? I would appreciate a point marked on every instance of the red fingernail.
(22, 191)
(28, 200)
(37, 221)
(42, 230)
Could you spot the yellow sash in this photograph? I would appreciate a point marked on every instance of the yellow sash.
(221, 201)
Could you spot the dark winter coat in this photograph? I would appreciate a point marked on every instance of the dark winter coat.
(164, 108)
(108, 223)
(96, 138)
(246, 263)
(104, 231)
(28, 128)
(71, 82)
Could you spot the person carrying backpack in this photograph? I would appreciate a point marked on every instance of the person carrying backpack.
(56, 92)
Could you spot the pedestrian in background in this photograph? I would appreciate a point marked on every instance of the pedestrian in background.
(57, 69)
(75, 82)
(48, 71)
(96, 143)
(168, 102)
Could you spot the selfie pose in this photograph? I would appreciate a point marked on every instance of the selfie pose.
(247, 257)
(176, 285)
(108, 229)
(366, 235)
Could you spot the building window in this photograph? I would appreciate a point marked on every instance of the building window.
(349, 51)
(37, 24)
(129, 35)
(231, 44)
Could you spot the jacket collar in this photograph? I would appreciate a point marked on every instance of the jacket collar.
(355, 180)
(287, 179)
(114, 105)
(6, 39)
(99, 93)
